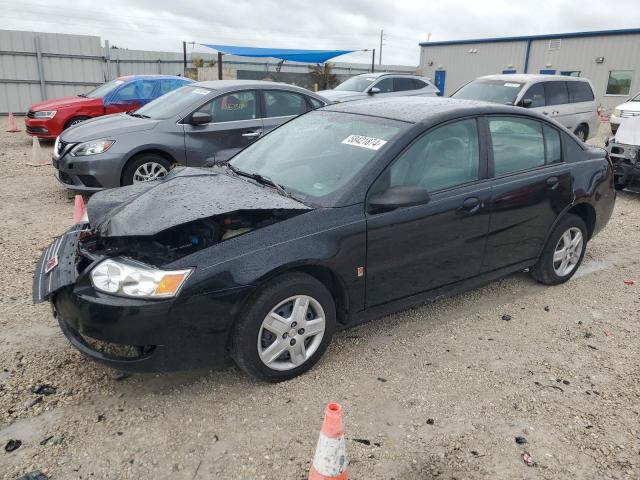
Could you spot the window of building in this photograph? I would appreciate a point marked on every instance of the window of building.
(619, 82)
(555, 44)
(517, 144)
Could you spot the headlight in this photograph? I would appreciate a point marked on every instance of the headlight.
(617, 112)
(92, 148)
(44, 114)
(133, 279)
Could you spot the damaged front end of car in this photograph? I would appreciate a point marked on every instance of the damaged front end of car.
(115, 281)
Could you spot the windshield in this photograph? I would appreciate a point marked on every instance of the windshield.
(172, 103)
(102, 90)
(496, 91)
(317, 154)
(635, 99)
(356, 84)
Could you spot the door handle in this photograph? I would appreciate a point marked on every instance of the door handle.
(553, 182)
(252, 134)
(471, 205)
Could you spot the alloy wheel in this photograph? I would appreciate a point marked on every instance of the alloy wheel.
(291, 333)
(568, 252)
(149, 171)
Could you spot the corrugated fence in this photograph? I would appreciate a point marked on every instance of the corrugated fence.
(35, 66)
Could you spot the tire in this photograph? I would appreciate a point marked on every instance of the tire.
(74, 121)
(547, 271)
(250, 337)
(582, 132)
(131, 174)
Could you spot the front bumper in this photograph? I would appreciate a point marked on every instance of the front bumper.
(42, 128)
(89, 174)
(626, 162)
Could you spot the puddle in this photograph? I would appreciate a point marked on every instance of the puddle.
(596, 265)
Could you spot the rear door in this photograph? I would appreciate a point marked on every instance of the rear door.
(281, 106)
(557, 104)
(531, 186)
(235, 123)
(418, 248)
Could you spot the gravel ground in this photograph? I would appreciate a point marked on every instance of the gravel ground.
(439, 391)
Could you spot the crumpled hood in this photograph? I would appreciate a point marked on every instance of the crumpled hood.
(628, 132)
(62, 102)
(342, 95)
(183, 196)
(106, 126)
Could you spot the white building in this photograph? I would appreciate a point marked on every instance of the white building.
(609, 58)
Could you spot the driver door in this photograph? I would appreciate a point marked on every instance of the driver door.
(419, 248)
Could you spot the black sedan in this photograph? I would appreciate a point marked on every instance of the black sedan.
(346, 213)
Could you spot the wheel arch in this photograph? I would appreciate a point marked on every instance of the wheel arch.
(153, 150)
(584, 210)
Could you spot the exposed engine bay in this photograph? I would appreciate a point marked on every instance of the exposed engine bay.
(181, 240)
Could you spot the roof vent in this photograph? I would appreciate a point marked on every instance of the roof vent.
(555, 44)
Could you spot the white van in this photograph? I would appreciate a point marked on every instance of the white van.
(568, 100)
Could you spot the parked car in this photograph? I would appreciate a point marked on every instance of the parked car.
(568, 100)
(624, 150)
(196, 125)
(346, 213)
(630, 108)
(368, 85)
(50, 118)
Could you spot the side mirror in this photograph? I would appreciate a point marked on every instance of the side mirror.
(373, 90)
(526, 102)
(396, 197)
(200, 118)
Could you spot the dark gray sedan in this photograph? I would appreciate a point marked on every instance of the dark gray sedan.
(196, 125)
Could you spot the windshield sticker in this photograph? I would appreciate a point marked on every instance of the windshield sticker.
(201, 91)
(371, 78)
(118, 82)
(512, 85)
(364, 142)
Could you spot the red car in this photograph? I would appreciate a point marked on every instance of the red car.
(124, 94)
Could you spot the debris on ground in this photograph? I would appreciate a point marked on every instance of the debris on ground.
(607, 333)
(521, 440)
(629, 282)
(33, 402)
(549, 386)
(101, 418)
(12, 445)
(44, 389)
(506, 317)
(46, 440)
(119, 376)
(547, 308)
(430, 421)
(477, 454)
(528, 459)
(363, 441)
(383, 380)
(35, 475)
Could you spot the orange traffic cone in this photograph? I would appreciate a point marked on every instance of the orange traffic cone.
(13, 128)
(330, 460)
(79, 210)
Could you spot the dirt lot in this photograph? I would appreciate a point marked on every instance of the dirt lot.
(439, 391)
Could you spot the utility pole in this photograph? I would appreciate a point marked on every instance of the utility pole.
(184, 59)
(380, 51)
(373, 60)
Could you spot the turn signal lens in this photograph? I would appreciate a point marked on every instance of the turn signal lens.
(170, 284)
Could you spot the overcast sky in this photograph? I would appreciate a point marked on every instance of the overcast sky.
(328, 24)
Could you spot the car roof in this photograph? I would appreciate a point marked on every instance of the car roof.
(382, 74)
(259, 84)
(153, 77)
(530, 77)
(416, 109)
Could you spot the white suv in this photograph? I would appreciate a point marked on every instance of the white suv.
(381, 84)
(568, 100)
(630, 108)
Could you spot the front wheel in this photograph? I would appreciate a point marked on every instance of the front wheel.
(74, 121)
(563, 252)
(145, 167)
(284, 329)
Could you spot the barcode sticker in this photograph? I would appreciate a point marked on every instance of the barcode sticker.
(201, 91)
(364, 142)
(512, 85)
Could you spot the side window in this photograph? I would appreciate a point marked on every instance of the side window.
(442, 158)
(233, 107)
(419, 84)
(556, 93)
(168, 84)
(552, 144)
(401, 84)
(315, 103)
(127, 92)
(580, 92)
(517, 143)
(535, 93)
(283, 104)
(385, 85)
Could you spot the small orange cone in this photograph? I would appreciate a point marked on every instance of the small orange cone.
(330, 460)
(79, 210)
(13, 128)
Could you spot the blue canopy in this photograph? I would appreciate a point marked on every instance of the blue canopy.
(307, 56)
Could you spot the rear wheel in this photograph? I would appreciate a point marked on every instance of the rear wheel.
(74, 121)
(563, 252)
(145, 167)
(582, 132)
(284, 329)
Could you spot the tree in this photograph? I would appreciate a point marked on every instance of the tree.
(323, 75)
(197, 62)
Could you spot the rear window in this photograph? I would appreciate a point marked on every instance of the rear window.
(579, 92)
(556, 93)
